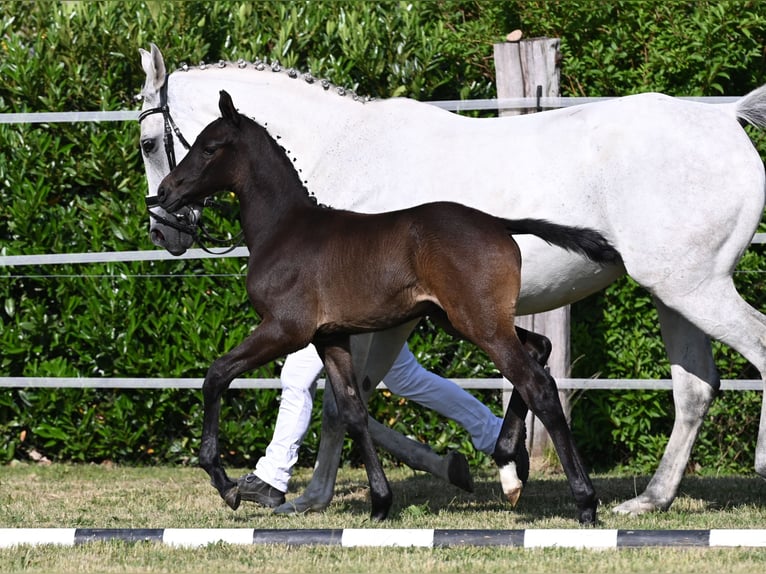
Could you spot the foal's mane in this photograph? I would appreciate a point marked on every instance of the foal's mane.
(259, 66)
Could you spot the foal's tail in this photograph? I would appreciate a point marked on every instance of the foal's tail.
(587, 242)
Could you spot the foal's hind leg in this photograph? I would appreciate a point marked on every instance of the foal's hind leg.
(511, 455)
(511, 444)
(538, 390)
(513, 436)
(538, 346)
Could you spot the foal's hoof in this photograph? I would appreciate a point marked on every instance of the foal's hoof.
(458, 471)
(232, 497)
(513, 496)
(511, 483)
(588, 516)
(379, 515)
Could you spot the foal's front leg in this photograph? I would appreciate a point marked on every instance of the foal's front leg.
(336, 356)
(263, 345)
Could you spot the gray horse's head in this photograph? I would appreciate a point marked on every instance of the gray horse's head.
(160, 146)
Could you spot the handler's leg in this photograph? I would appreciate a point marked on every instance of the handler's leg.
(268, 484)
(411, 380)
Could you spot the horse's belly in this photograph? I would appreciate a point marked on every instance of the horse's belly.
(551, 277)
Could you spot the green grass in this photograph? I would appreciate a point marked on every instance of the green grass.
(120, 497)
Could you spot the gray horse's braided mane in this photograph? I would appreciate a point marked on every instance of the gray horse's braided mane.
(275, 67)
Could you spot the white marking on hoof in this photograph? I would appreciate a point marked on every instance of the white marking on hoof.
(511, 483)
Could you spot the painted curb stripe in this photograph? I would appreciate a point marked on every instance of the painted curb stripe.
(299, 537)
(745, 538)
(387, 537)
(675, 538)
(190, 537)
(449, 538)
(33, 536)
(381, 537)
(570, 538)
(83, 535)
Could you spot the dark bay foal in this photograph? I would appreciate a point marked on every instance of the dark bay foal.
(318, 275)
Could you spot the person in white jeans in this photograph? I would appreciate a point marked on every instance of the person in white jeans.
(268, 483)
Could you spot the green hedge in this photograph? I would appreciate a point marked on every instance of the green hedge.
(79, 187)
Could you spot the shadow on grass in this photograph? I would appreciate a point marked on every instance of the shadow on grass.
(544, 498)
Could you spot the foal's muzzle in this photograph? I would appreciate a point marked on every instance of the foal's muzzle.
(161, 198)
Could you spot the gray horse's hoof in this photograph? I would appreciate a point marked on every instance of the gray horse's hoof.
(636, 506)
(232, 497)
(299, 505)
(287, 508)
(458, 471)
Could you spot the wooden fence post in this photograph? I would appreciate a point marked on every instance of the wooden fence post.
(530, 68)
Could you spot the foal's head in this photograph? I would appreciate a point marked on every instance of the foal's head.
(215, 161)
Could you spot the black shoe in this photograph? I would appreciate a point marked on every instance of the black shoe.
(253, 489)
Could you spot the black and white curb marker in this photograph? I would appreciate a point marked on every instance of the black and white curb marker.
(380, 537)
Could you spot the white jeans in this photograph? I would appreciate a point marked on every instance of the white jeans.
(407, 378)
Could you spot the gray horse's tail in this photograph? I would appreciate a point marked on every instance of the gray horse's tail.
(587, 242)
(751, 108)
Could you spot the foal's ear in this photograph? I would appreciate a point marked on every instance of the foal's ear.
(228, 111)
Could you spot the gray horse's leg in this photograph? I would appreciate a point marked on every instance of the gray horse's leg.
(452, 467)
(760, 446)
(373, 355)
(318, 493)
(695, 382)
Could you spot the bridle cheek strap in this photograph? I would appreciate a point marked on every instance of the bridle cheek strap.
(170, 125)
(189, 223)
(170, 128)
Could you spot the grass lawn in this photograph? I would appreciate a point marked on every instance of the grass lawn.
(90, 496)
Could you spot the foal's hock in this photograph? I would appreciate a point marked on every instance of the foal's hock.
(318, 275)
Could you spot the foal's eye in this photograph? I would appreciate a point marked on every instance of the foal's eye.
(209, 150)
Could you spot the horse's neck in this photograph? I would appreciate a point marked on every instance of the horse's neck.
(272, 194)
(300, 115)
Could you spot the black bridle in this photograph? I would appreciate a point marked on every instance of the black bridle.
(189, 221)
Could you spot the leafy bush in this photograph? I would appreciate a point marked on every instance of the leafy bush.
(78, 187)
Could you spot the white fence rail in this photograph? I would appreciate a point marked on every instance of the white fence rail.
(477, 384)
(155, 255)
